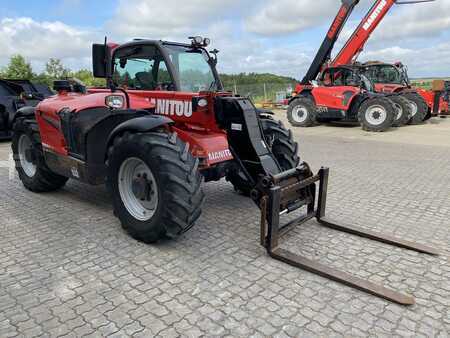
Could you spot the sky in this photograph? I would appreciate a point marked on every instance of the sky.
(275, 36)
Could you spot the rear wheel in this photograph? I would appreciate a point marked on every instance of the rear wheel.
(419, 108)
(155, 185)
(377, 114)
(281, 141)
(403, 109)
(29, 158)
(302, 112)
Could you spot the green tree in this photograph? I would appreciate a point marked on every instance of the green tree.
(56, 70)
(18, 68)
(87, 78)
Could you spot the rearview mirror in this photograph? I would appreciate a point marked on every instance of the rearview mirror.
(101, 66)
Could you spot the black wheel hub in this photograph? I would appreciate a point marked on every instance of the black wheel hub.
(142, 188)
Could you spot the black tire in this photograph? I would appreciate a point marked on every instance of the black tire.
(43, 180)
(175, 171)
(375, 120)
(302, 112)
(281, 141)
(419, 110)
(403, 108)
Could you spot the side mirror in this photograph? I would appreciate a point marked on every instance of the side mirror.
(101, 66)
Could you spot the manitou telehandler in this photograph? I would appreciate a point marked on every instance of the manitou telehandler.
(307, 108)
(15, 94)
(388, 78)
(341, 93)
(162, 126)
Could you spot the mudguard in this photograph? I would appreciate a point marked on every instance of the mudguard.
(140, 124)
(23, 112)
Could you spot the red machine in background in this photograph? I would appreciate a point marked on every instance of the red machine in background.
(389, 78)
(410, 105)
(342, 93)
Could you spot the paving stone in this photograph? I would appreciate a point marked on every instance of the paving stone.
(68, 268)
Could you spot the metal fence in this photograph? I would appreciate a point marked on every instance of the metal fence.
(263, 92)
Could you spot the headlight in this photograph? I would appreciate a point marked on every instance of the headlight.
(114, 101)
(206, 42)
(202, 103)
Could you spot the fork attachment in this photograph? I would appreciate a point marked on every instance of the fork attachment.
(281, 194)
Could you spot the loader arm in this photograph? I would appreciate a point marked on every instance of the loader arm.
(355, 44)
(324, 53)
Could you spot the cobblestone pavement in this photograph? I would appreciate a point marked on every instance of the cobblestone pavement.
(68, 269)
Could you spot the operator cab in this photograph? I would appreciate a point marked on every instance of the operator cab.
(161, 66)
(345, 76)
(386, 73)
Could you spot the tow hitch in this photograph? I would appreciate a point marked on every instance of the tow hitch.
(281, 194)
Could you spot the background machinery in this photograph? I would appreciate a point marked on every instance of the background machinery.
(387, 78)
(339, 93)
(162, 126)
(15, 94)
(409, 106)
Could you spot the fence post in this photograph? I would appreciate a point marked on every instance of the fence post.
(265, 92)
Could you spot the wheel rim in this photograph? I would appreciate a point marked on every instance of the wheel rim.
(138, 189)
(376, 115)
(399, 109)
(25, 146)
(414, 108)
(299, 114)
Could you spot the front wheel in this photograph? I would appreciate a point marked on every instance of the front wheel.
(302, 112)
(283, 146)
(377, 114)
(155, 185)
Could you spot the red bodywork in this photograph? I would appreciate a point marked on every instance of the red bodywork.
(335, 97)
(198, 128)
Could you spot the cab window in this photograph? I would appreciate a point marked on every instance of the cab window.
(141, 67)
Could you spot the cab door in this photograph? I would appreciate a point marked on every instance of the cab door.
(339, 86)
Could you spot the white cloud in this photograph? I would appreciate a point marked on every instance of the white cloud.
(39, 41)
(259, 42)
(169, 18)
(289, 16)
(426, 20)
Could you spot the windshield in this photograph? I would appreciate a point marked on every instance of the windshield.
(384, 74)
(193, 68)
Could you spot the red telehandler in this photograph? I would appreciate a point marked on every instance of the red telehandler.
(341, 93)
(162, 126)
(388, 78)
